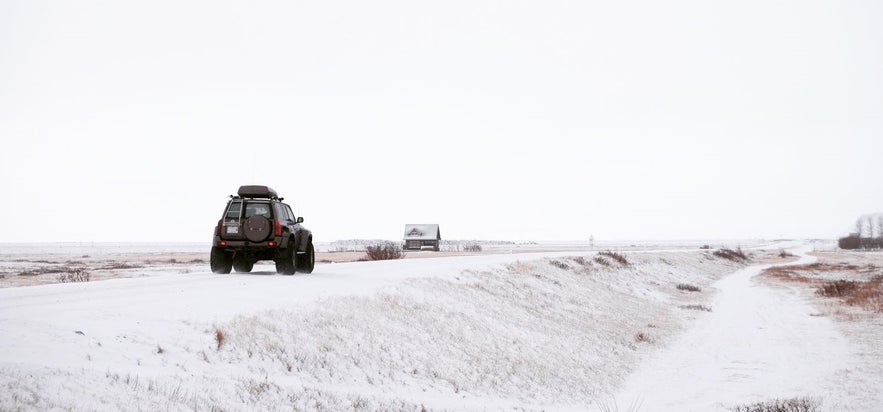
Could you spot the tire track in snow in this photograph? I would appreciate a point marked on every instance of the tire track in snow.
(759, 343)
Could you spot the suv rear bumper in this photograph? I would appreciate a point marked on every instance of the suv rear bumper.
(278, 242)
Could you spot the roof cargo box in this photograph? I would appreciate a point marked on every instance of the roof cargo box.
(257, 191)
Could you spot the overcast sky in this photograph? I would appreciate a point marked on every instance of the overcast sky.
(540, 120)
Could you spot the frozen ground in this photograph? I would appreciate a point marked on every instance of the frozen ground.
(542, 331)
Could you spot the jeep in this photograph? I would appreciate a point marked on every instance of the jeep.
(255, 226)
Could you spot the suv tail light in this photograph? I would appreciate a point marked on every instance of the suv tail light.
(218, 228)
(277, 228)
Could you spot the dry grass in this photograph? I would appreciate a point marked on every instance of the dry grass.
(472, 247)
(122, 265)
(75, 275)
(601, 261)
(863, 289)
(582, 261)
(643, 337)
(697, 307)
(612, 406)
(868, 296)
(559, 264)
(619, 258)
(219, 338)
(838, 288)
(730, 254)
(781, 405)
(43, 270)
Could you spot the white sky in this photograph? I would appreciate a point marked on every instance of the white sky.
(543, 120)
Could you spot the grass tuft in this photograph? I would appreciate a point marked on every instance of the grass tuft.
(697, 307)
(122, 265)
(611, 406)
(559, 264)
(730, 254)
(44, 270)
(619, 258)
(75, 275)
(219, 338)
(781, 405)
(582, 261)
(643, 337)
(688, 287)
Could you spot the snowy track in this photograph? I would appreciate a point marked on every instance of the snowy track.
(161, 307)
(457, 333)
(758, 344)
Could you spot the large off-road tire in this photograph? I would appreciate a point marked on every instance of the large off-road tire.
(243, 266)
(286, 260)
(307, 261)
(256, 228)
(220, 261)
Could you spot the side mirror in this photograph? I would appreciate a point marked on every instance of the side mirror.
(300, 219)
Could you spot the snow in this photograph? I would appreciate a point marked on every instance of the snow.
(754, 345)
(531, 331)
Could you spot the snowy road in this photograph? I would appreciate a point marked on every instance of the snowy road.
(758, 344)
(539, 335)
(37, 323)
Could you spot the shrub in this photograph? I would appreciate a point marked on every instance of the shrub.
(730, 254)
(688, 288)
(472, 247)
(781, 405)
(384, 251)
(615, 256)
(784, 254)
(76, 275)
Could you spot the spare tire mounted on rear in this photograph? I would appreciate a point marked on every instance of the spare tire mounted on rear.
(257, 228)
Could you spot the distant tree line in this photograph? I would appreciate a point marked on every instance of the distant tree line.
(868, 233)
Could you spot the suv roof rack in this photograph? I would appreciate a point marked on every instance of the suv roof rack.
(256, 191)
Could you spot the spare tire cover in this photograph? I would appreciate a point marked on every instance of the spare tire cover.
(257, 228)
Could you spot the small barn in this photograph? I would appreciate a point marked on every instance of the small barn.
(425, 236)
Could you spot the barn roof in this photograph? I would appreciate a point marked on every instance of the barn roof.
(422, 232)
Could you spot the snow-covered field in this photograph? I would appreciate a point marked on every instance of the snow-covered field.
(564, 330)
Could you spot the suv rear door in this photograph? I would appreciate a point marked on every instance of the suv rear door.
(231, 227)
(238, 211)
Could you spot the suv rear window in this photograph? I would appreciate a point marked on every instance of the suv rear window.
(262, 209)
(233, 210)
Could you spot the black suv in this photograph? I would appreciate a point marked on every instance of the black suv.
(256, 225)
